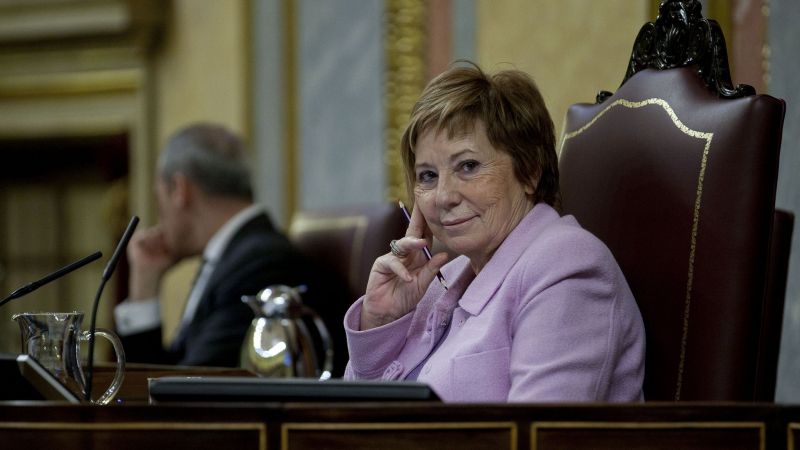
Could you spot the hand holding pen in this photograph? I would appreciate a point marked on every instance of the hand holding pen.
(425, 249)
(398, 280)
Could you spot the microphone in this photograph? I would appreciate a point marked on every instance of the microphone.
(110, 266)
(30, 287)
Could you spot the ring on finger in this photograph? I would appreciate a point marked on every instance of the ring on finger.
(396, 249)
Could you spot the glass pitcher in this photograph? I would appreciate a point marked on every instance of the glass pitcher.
(54, 340)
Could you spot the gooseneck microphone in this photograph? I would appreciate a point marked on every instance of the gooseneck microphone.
(110, 266)
(30, 287)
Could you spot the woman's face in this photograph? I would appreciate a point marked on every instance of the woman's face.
(467, 192)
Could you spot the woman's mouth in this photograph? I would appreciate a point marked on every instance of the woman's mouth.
(451, 223)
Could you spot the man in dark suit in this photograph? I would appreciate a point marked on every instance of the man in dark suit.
(205, 206)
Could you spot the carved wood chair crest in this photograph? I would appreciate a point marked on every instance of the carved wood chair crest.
(680, 37)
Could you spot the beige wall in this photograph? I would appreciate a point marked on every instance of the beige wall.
(572, 48)
(202, 66)
(201, 74)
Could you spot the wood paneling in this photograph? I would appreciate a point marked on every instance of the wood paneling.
(416, 426)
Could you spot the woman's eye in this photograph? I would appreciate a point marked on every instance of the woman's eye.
(426, 176)
(469, 166)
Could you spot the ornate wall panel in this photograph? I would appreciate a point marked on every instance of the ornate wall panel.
(405, 78)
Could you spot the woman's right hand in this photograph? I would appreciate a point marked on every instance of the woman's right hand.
(397, 283)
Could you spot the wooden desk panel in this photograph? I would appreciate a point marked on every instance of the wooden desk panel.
(389, 426)
(388, 435)
(649, 435)
(793, 436)
(133, 435)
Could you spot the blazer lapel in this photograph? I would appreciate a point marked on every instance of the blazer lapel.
(494, 273)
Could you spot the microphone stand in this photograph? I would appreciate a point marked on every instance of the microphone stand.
(112, 264)
(30, 287)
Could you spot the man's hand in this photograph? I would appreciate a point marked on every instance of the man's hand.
(149, 258)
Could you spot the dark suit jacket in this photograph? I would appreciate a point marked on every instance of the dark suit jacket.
(256, 257)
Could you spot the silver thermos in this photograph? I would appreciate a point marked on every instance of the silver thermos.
(278, 343)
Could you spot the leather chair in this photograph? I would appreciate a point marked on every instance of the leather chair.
(676, 172)
(347, 240)
(343, 243)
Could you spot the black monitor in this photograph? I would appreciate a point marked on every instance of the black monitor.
(255, 389)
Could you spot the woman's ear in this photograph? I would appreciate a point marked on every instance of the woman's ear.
(530, 185)
(530, 188)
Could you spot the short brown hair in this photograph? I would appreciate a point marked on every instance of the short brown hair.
(513, 111)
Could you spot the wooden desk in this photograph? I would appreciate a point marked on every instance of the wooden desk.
(387, 426)
(135, 424)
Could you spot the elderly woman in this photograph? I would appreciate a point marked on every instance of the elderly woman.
(536, 308)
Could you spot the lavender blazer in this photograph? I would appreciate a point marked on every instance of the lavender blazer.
(549, 318)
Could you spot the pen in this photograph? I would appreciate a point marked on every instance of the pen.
(424, 249)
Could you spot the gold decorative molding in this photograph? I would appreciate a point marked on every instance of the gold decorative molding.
(37, 20)
(73, 83)
(29, 21)
(707, 137)
(405, 78)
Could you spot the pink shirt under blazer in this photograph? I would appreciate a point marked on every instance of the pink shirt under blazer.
(550, 318)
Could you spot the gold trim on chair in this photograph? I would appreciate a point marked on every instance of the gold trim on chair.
(707, 136)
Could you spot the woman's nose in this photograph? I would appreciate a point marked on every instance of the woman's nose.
(447, 192)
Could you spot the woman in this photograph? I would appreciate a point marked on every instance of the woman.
(536, 308)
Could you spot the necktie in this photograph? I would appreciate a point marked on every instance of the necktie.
(199, 283)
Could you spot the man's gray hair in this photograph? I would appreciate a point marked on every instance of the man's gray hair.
(212, 157)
